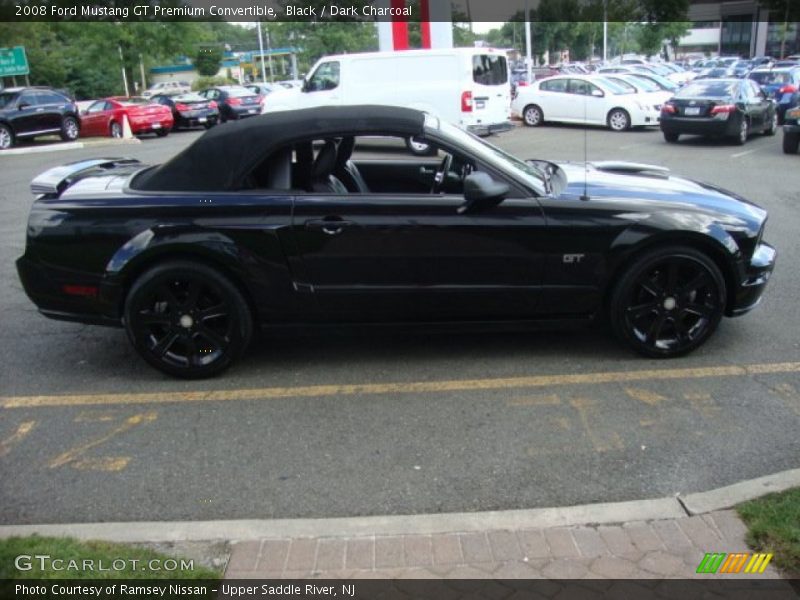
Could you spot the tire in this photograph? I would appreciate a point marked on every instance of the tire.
(670, 137)
(162, 132)
(772, 128)
(418, 148)
(532, 116)
(187, 319)
(209, 124)
(618, 120)
(744, 132)
(668, 302)
(6, 137)
(70, 130)
(791, 142)
(115, 130)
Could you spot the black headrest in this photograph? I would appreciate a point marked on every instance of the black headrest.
(344, 151)
(325, 161)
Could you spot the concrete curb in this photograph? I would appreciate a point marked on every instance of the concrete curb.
(587, 514)
(68, 146)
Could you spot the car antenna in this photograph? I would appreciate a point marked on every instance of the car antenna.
(585, 195)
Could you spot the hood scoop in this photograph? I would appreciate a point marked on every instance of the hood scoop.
(629, 168)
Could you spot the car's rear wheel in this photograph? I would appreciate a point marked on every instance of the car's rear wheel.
(6, 137)
(668, 302)
(532, 116)
(163, 132)
(187, 319)
(69, 129)
(671, 137)
(744, 132)
(619, 120)
(791, 142)
(116, 130)
(772, 128)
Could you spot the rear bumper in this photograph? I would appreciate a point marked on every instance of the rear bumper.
(489, 129)
(149, 127)
(700, 126)
(749, 293)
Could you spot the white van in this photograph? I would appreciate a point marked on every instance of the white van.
(465, 86)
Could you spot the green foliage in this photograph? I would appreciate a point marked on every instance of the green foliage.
(773, 524)
(208, 60)
(202, 83)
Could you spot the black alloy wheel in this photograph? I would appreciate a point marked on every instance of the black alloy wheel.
(671, 137)
(187, 319)
(668, 302)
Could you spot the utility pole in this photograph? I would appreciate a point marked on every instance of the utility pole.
(141, 71)
(269, 58)
(528, 52)
(261, 50)
(124, 76)
(605, 30)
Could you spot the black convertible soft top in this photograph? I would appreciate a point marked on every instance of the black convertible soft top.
(221, 158)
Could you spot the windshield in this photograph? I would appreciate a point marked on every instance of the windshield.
(190, 97)
(133, 101)
(492, 154)
(645, 84)
(662, 82)
(622, 83)
(708, 89)
(239, 92)
(7, 99)
(617, 87)
(768, 77)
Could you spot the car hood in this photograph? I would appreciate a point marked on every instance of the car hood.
(648, 187)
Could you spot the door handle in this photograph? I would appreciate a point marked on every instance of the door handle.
(39, 110)
(330, 226)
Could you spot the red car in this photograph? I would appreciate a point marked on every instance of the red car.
(105, 117)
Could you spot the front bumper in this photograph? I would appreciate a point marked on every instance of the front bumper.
(757, 274)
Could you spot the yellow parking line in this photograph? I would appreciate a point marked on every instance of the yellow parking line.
(468, 385)
(20, 434)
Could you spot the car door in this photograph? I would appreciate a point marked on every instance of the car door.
(415, 257)
(52, 106)
(764, 106)
(751, 101)
(587, 102)
(323, 87)
(94, 118)
(553, 97)
(26, 118)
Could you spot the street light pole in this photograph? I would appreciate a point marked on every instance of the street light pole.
(124, 76)
(261, 49)
(528, 52)
(605, 30)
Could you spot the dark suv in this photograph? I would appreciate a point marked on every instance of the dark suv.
(28, 112)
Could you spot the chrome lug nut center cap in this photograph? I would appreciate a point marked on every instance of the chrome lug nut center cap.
(186, 321)
(669, 303)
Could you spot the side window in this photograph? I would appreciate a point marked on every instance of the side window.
(554, 85)
(28, 99)
(326, 77)
(581, 87)
(755, 90)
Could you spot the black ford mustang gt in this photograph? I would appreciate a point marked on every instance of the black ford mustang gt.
(271, 222)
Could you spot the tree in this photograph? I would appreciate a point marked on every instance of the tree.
(787, 11)
(208, 60)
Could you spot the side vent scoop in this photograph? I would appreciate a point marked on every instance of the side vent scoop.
(629, 168)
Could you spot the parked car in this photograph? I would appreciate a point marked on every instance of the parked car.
(469, 87)
(781, 84)
(587, 99)
(168, 87)
(791, 131)
(646, 88)
(742, 67)
(190, 109)
(233, 101)
(191, 255)
(732, 108)
(717, 73)
(106, 117)
(30, 112)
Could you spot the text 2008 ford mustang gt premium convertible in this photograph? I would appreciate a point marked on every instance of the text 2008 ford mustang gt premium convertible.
(270, 221)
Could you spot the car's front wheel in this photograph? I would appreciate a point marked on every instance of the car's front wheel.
(619, 120)
(6, 137)
(532, 116)
(69, 129)
(187, 319)
(668, 302)
(791, 142)
(671, 137)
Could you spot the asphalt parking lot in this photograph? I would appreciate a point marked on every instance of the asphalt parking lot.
(346, 423)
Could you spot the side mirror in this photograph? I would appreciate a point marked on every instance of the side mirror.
(305, 86)
(23, 105)
(482, 192)
(598, 93)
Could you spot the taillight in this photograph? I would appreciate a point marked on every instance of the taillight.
(260, 99)
(182, 107)
(466, 101)
(234, 101)
(788, 89)
(669, 108)
(212, 104)
(89, 291)
(723, 109)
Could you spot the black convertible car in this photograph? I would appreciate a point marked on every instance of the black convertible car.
(271, 222)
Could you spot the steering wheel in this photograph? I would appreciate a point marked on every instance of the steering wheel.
(441, 173)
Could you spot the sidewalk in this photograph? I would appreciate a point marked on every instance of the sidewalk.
(668, 548)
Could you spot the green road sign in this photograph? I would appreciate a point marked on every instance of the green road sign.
(13, 62)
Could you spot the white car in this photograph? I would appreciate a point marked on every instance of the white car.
(168, 87)
(588, 99)
(640, 85)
